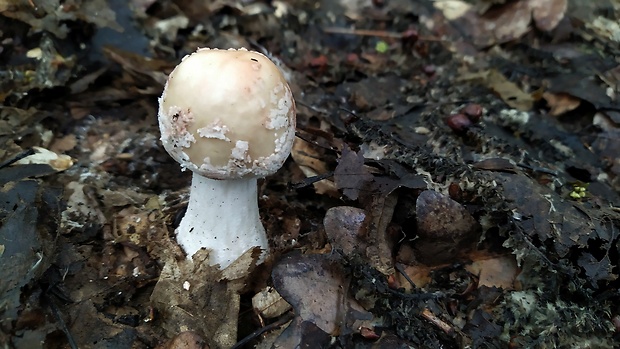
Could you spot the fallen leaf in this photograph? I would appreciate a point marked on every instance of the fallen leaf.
(185, 340)
(191, 295)
(495, 271)
(350, 175)
(309, 161)
(548, 14)
(347, 229)
(508, 91)
(561, 103)
(446, 230)
(597, 270)
(490, 25)
(316, 287)
(495, 164)
(419, 274)
(269, 303)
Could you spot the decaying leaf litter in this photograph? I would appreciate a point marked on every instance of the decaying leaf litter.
(454, 181)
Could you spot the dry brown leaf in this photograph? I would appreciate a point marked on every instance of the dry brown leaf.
(379, 250)
(509, 92)
(309, 161)
(190, 297)
(140, 66)
(42, 156)
(500, 24)
(561, 103)
(185, 340)
(548, 14)
(269, 303)
(305, 155)
(498, 271)
(419, 274)
(61, 145)
(508, 22)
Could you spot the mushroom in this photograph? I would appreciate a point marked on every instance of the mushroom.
(229, 117)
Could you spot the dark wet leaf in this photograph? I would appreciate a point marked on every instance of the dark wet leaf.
(28, 218)
(482, 329)
(316, 287)
(302, 334)
(496, 164)
(19, 241)
(542, 212)
(445, 229)
(88, 326)
(585, 86)
(46, 69)
(596, 270)
(350, 175)
(27, 171)
(399, 176)
(52, 16)
(347, 229)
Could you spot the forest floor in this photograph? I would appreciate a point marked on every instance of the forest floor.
(454, 182)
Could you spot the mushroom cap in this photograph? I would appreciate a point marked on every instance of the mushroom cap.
(227, 114)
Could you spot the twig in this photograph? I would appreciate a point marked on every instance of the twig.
(377, 33)
(17, 157)
(286, 318)
(538, 169)
(401, 270)
(311, 180)
(444, 326)
(61, 322)
(363, 32)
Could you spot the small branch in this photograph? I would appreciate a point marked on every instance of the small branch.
(376, 33)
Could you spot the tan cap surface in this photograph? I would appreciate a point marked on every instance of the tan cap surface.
(227, 114)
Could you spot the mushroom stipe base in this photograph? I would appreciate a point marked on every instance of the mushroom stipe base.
(222, 214)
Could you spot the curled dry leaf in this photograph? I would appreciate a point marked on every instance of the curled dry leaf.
(379, 243)
(561, 103)
(309, 161)
(269, 304)
(47, 157)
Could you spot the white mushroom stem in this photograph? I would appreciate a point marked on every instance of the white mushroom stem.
(222, 215)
